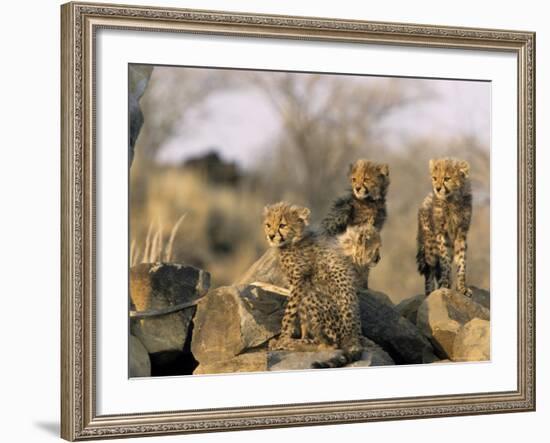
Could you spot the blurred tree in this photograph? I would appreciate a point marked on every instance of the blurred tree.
(327, 123)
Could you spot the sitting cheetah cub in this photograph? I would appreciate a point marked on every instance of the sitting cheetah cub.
(443, 223)
(322, 288)
(362, 245)
(365, 205)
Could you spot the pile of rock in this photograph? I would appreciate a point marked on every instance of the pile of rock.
(227, 329)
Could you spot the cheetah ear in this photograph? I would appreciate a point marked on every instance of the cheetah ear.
(384, 169)
(302, 213)
(350, 169)
(266, 210)
(432, 164)
(464, 168)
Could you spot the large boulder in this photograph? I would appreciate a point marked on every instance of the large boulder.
(442, 315)
(162, 287)
(232, 319)
(266, 269)
(384, 325)
(139, 362)
(473, 342)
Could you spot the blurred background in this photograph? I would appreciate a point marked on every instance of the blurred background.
(218, 145)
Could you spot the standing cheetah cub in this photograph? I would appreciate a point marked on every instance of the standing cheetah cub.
(322, 287)
(443, 223)
(364, 205)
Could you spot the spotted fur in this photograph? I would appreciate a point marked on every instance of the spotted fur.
(366, 201)
(362, 245)
(443, 224)
(364, 205)
(323, 297)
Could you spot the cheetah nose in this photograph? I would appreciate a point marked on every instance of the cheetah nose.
(357, 188)
(271, 236)
(438, 188)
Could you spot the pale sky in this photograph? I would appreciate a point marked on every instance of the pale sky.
(241, 122)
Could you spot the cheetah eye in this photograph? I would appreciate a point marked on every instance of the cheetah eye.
(434, 178)
(282, 225)
(447, 179)
(267, 225)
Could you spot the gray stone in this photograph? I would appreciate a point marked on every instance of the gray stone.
(443, 314)
(373, 355)
(232, 319)
(287, 360)
(473, 342)
(138, 79)
(158, 287)
(408, 308)
(481, 296)
(140, 364)
(266, 269)
(398, 336)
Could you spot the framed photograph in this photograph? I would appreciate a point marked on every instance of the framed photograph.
(277, 221)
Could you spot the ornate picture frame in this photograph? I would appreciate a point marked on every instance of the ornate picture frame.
(80, 23)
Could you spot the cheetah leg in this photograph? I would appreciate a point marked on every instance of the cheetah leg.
(460, 261)
(290, 317)
(444, 261)
(429, 281)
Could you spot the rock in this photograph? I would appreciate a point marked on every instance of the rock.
(381, 297)
(249, 362)
(473, 342)
(232, 319)
(161, 286)
(442, 315)
(481, 296)
(287, 361)
(408, 308)
(140, 364)
(373, 355)
(266, 269)
(398, 336)
(138, 79)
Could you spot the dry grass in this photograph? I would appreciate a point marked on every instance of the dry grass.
(155, 248)
(220, 232)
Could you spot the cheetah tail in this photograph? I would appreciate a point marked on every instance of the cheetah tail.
(343, 358)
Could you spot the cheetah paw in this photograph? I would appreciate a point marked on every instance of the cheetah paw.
(278, 344)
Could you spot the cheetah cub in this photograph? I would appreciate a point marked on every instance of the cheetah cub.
(443, 223)
(364, 205)
(323, 294)
(362, 245)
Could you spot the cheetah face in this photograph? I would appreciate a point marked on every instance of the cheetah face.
(284, 223)
(369, 180)
(449, 176)
(362, 244)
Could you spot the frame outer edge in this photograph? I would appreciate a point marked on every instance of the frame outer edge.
(68, 425)
(78, 420)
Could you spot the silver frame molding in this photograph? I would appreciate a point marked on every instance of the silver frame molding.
(79, 22)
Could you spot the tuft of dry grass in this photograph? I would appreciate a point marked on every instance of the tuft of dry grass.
(155, 248)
